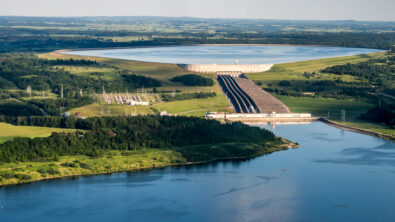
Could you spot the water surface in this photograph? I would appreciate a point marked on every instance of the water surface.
(334, 176)
(226, 54)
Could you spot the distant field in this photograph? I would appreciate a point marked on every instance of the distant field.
(8, 131)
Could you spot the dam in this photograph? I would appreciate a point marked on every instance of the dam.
(226, 68)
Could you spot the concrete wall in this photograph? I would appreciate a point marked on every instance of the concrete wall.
(214, 68)
(258, 115)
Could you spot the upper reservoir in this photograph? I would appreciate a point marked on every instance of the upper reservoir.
(224, 54)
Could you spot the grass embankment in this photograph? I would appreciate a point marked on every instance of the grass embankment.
(119, 161)
(375, 127)
(9, 132)
(160, 71)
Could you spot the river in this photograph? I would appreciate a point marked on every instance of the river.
(335, 175)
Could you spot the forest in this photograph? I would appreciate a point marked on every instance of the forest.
(185, 96)
(131, 133)
(193, 80)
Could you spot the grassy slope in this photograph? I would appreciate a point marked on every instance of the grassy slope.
(160, 71)
(375, 127)
(8, 131)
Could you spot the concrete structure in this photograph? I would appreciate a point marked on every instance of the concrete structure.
(227, 68)
(247, 97)
(262, 117)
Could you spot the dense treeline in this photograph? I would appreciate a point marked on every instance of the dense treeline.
(380, 115)
(193, 80)
(68, 62)
(325, 88)
(138, 81)
(185, 96)
(384, 113)
(19, 109)
(126, 133)
(365, 70)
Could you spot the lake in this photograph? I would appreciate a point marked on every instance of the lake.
(226, 54)
(335, 175)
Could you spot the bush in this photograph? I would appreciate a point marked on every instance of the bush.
(284, 83)
(85, 166)
(193, 80)
(50, 171)
(8, 175)
(68, 165)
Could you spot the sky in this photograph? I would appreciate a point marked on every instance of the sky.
(366, 10)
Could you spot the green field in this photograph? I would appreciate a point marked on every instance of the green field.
(8, 131)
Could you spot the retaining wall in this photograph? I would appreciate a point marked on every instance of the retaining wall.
(214, 68)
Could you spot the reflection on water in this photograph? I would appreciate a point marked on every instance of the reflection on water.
(331, 177)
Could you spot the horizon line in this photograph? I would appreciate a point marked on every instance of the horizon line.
(189, 17)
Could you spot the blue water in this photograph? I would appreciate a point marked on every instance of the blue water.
(335, 175)
(247, 54)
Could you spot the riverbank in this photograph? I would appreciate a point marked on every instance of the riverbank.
(357, 130)
(122, 161)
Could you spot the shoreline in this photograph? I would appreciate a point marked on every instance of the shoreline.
(214, 44)
(355, 129)
(63, 52)
(285, 146)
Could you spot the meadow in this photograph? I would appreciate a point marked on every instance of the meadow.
(9, 132)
